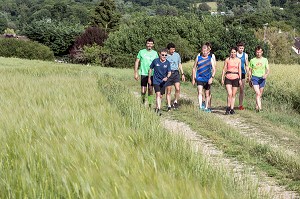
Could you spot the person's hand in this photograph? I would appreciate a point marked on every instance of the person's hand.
(250, 84)
(149, 81)
(240, 82)
(222, 82)
(193, 81)
(183, 77)
(165, 79)
(265, 76)
(210, 80)
(136, 76)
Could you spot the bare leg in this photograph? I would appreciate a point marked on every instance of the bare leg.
(168, 96)
(242, 93)
(200, 88)
(234, 90)
(177, 91)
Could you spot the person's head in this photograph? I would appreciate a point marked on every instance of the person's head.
(209, 46)
(240, 47)
(149, 43)
(163, 54)
(259, 51)
(171, 48)
(205, 51)
(233, 51)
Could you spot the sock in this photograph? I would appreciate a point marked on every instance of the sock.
(150, 99)
(143, 98)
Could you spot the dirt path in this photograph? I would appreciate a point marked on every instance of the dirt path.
(200, 144)
(216, 158)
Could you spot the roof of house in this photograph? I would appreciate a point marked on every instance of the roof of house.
(297, 42)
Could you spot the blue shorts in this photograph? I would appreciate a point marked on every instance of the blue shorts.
(258, 81)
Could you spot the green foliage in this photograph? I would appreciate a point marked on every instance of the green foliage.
(188, 33)
(58, 35)
(24, 49)
(9, 31)
(106, 16)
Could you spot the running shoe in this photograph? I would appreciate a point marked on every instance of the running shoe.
(207, 110)
(169, 108)
(241, 108)
(231, 111)
(203, 103)
(201, 108)
(158, 112)
(175, 105)
(227, 112)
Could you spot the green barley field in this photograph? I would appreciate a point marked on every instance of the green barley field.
(75, 131)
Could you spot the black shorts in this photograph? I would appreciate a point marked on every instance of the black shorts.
(160, 88)
(144, 80)
(233, 82)
(174, 78)
(243, 75)
(205, 85)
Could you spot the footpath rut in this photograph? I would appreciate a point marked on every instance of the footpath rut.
(266, 185)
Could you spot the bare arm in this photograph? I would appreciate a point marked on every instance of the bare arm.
(213, 71)
(149, 76)
(246, 64)
(182, 73)
(240, 71)
(267, 71)
(194, 71)
(136, 66)
(224, 70)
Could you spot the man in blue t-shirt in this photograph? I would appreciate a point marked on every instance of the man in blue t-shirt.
(175, 61)
(162, 71)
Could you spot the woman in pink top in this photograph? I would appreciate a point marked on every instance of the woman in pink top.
(232, 73)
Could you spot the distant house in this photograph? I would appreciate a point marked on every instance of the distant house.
(296, 46)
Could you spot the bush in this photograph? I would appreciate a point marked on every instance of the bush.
(90, 39)
(25, 49)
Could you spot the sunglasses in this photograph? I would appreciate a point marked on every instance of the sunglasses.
(164, 55)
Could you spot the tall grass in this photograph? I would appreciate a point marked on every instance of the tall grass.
(75, 132)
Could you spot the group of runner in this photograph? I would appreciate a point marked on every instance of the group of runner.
(163, 70)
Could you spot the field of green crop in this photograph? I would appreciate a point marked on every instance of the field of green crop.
(72, 131)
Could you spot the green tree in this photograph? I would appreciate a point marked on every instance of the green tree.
(263, 6)
(106, 16)
(58, 35)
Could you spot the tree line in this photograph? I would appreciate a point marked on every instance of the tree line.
(110, 32)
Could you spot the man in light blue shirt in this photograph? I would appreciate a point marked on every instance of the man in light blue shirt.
(175, 62)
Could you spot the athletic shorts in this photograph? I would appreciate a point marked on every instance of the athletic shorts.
(233, 82)
(258, 81)
(144, 80)
(243, 75)
(160, 88)
(174, 78)
(205, 85)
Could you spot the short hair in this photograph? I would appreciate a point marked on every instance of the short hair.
(258, 48)
(240, 44)
(233, 48)
(163, 50)
(170, 45)
(208, 44)
(150, 39)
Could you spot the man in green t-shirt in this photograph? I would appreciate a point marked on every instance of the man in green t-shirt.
(144, 59)
(258, 73)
